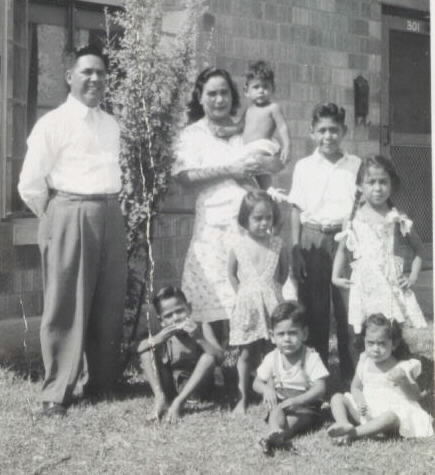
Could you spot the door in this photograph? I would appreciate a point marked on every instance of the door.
(406, 120)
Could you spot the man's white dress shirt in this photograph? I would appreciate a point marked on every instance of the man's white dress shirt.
(73, 149)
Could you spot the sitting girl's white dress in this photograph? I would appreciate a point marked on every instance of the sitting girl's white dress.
(375, 273)
(383, 395)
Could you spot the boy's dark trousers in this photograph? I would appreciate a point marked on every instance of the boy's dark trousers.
(315, 292)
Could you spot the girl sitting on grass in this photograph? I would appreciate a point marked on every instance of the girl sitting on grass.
(291, 379)
(384, 391)
(258, 266)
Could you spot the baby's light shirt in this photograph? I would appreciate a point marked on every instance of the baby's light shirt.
(324, 191)
(299, 376)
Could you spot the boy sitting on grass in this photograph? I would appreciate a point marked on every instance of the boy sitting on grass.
(179, 358)
(291, 379)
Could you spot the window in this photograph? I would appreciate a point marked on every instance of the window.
(40, 33)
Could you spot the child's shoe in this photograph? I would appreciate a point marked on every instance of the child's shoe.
(265, 446)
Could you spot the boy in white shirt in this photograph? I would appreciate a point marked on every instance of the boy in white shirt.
(291, 378)
(322, 195)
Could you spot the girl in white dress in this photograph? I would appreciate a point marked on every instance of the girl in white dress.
(258, 266)
(384, 390)
(374, 235)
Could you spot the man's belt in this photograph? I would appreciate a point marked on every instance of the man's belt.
(85, 197)
(324, 228)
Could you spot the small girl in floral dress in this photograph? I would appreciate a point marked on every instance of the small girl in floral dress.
(258, 266)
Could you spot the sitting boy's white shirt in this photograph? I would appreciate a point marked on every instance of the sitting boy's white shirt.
(295, 377)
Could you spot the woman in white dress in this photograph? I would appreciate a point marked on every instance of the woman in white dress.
(222, 172)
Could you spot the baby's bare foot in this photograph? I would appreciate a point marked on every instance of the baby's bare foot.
(339, 430)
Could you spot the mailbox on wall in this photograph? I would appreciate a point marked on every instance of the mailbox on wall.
(361, 97)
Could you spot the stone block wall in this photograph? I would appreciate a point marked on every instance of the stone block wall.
(317, 48)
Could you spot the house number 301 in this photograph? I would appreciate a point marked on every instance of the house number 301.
(412, 25)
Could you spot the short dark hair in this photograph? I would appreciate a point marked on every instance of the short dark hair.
(289, 310)
(378, 161)
(260, 70)
(248, 203)
(166, 293)
(328, 110)
(195, 111)
(91, 50)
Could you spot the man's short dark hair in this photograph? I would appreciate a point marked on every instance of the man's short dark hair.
(166, 293)
(92, 50)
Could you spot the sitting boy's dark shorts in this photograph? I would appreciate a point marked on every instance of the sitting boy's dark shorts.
(311, 409)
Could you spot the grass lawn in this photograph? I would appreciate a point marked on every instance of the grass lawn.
(114, 437)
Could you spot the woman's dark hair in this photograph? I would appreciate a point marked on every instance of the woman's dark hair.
(329, 110)
(401, 350)
(195, 111)
(289, 310)
(260, 70)
(168, 293)
(248, 203)
(378, 161)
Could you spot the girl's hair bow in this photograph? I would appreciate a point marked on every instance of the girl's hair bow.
(348, 234)
(405, 224)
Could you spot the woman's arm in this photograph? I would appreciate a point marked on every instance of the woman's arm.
(204, 175)
(232, 271)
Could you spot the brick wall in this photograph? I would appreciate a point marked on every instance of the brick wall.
(317, 48)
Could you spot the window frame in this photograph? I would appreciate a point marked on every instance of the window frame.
(73, 9)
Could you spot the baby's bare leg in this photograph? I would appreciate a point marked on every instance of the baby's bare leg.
(343, 412)
(277, 420)
(386, 422)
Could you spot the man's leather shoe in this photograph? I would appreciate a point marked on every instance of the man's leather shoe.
(50, 408)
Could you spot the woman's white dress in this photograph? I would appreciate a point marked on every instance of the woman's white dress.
(205, 275)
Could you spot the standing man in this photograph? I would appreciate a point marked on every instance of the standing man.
(71, 179)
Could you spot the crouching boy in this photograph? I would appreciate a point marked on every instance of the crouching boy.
(179, 358)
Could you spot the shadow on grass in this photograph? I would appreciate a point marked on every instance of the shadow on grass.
(23, 369)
